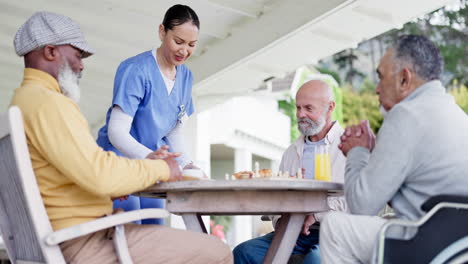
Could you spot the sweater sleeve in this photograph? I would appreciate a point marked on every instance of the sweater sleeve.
(372, 179)
(61, 133)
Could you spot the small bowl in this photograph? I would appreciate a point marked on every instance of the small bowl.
(192, 174)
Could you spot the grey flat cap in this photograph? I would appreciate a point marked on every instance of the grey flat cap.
(46, 28)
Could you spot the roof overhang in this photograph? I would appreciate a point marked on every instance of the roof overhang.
(241, 42)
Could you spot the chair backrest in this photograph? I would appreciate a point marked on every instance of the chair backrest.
(445, 227)
(23, 219)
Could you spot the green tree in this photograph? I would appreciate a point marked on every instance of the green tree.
(333, 74)
(368, 86)
(448, 29)
(345, 61)
(361, 106)
(460, 93)
(288, 107)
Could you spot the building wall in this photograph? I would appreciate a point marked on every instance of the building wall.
(258, 117)
(220, 167)
(250, 129)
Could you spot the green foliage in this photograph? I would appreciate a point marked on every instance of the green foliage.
(288, 107)
(345, 61)
(337, 93)
(365, 104)
(361, 106)
(447, 28)
(460, 93)
(338, 111)
(334, 74)
(368, 86)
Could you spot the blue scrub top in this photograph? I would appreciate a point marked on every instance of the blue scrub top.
(140, 91)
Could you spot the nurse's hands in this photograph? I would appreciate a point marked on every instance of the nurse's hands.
(162, 153)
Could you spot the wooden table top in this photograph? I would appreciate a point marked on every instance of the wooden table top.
(268, 184)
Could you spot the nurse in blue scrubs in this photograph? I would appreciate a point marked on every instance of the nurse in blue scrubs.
(152, 99)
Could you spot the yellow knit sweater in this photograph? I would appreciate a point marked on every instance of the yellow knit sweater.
(76, 177)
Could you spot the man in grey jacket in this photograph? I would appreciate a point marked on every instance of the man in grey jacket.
(421, 151)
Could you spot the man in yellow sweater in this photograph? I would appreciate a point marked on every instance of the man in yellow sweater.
(76, 177)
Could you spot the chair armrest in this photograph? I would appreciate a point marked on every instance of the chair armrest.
(432, 201)
(69, 233)
(408, 223)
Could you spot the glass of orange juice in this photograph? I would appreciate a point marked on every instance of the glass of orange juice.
(322, 163)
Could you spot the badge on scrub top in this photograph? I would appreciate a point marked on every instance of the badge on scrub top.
(182, 114)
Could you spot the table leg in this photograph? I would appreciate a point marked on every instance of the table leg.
(194, 222)
(286, 234)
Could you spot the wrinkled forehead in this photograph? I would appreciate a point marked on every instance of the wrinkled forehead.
(310, 99)
(387, 62)
(313, 92)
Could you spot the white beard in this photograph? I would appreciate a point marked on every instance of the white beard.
(68, 82)
(313, 128)
(383, 112)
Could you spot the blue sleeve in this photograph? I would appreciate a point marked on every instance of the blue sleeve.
(129, 88)
(190, 108)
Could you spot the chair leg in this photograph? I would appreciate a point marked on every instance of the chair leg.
(121, 247)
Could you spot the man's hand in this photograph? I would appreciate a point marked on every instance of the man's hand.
(365, 126)
(175, 173)
(357, 135)
(163, 153)
(310, 220)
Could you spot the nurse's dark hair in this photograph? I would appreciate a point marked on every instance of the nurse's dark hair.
(178, 15)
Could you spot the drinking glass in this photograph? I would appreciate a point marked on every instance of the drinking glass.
(322, 163)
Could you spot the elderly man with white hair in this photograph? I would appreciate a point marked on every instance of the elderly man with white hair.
(314, 108)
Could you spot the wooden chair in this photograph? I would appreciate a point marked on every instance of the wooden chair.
(24, 224)
(3, 254)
